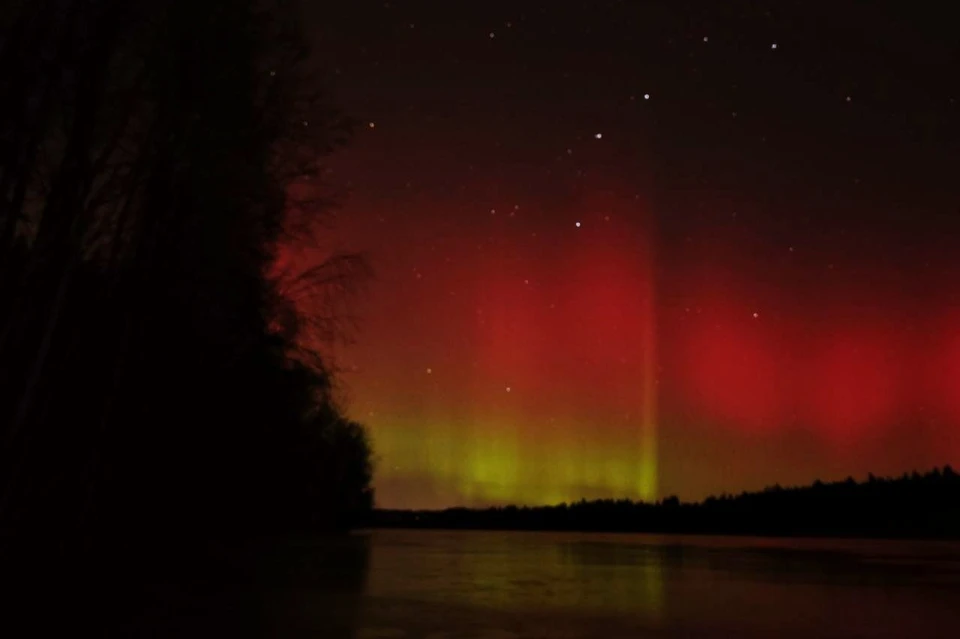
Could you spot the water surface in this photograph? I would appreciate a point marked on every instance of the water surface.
(527, 584)
(502, 585)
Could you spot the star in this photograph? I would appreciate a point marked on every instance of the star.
(773, 46)
(598, 135)
(508, 389)
(429, 371)
(577, 224)
(646, 96)
(492, 35)
(756, 315)
(706, 39)
(372, 125)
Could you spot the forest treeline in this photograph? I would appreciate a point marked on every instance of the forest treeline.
(158, 379)
(911, 506)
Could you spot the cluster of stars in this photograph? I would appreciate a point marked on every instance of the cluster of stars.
(739, 123)
(491, 35)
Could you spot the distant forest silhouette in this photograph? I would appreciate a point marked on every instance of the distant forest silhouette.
(910, 506)
(158, 382)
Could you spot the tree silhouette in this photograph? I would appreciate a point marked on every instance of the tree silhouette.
(159, 378)
(913, 505)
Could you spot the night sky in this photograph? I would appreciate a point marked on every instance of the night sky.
(634, 249)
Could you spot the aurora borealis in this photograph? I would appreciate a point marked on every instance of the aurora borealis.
(633, 249)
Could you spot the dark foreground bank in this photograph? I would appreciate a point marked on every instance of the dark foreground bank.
(235, 589)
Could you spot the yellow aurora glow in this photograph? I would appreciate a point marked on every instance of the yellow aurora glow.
(548, 394)
(476, 463)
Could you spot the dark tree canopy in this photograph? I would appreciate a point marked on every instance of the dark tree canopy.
(155, 377)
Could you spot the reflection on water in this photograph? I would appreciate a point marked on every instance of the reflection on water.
(519, 573)
(497, 584)
(435, 584)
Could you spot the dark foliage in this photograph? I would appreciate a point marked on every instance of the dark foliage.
(923, 506)
(153, 380)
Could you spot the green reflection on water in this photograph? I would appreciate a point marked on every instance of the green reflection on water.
(515, 573)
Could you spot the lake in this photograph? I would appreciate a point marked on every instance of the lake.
(527, 584)
(500, 585)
